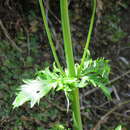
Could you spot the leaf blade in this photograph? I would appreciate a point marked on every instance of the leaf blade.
(33, 91)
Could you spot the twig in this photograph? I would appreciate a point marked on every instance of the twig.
(28, 40)
(116, 94)
(59, 47)
(56, 105)
(108, 113)
(9, 38)
(106, 110)
(56, 18)
(119, 77)
(91, 91)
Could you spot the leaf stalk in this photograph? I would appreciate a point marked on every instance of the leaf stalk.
(88, 37)
(49, 36)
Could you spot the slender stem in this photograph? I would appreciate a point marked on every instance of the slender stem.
(49, 36)
(89, 36)
(70, 63)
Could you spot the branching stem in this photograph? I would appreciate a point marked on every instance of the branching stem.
(88, 37)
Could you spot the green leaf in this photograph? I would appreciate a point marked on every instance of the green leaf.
(47, 74)
(99, 66)
(33, 91)
(20, 100)
(55, 69)
(96, 73)
(119, 127)
(106, 91)
(96, 81)
(58, 127)
(93, 73)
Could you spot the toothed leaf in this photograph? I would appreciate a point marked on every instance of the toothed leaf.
(33, 91)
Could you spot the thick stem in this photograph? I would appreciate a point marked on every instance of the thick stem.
(67, 37)
(70, 63)
(76, 110)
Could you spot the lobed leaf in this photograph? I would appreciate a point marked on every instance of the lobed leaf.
(94, 73)
(33, 91)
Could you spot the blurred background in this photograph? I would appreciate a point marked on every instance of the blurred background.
(24, 49)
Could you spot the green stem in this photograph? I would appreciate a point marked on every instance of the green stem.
(67, 37)
(89, 36)
(70, 63)
(76, 110)
(49, 36)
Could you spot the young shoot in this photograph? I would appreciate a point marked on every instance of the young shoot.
(74, 77)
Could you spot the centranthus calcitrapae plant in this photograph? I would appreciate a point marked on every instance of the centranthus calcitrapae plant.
(70, 79)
